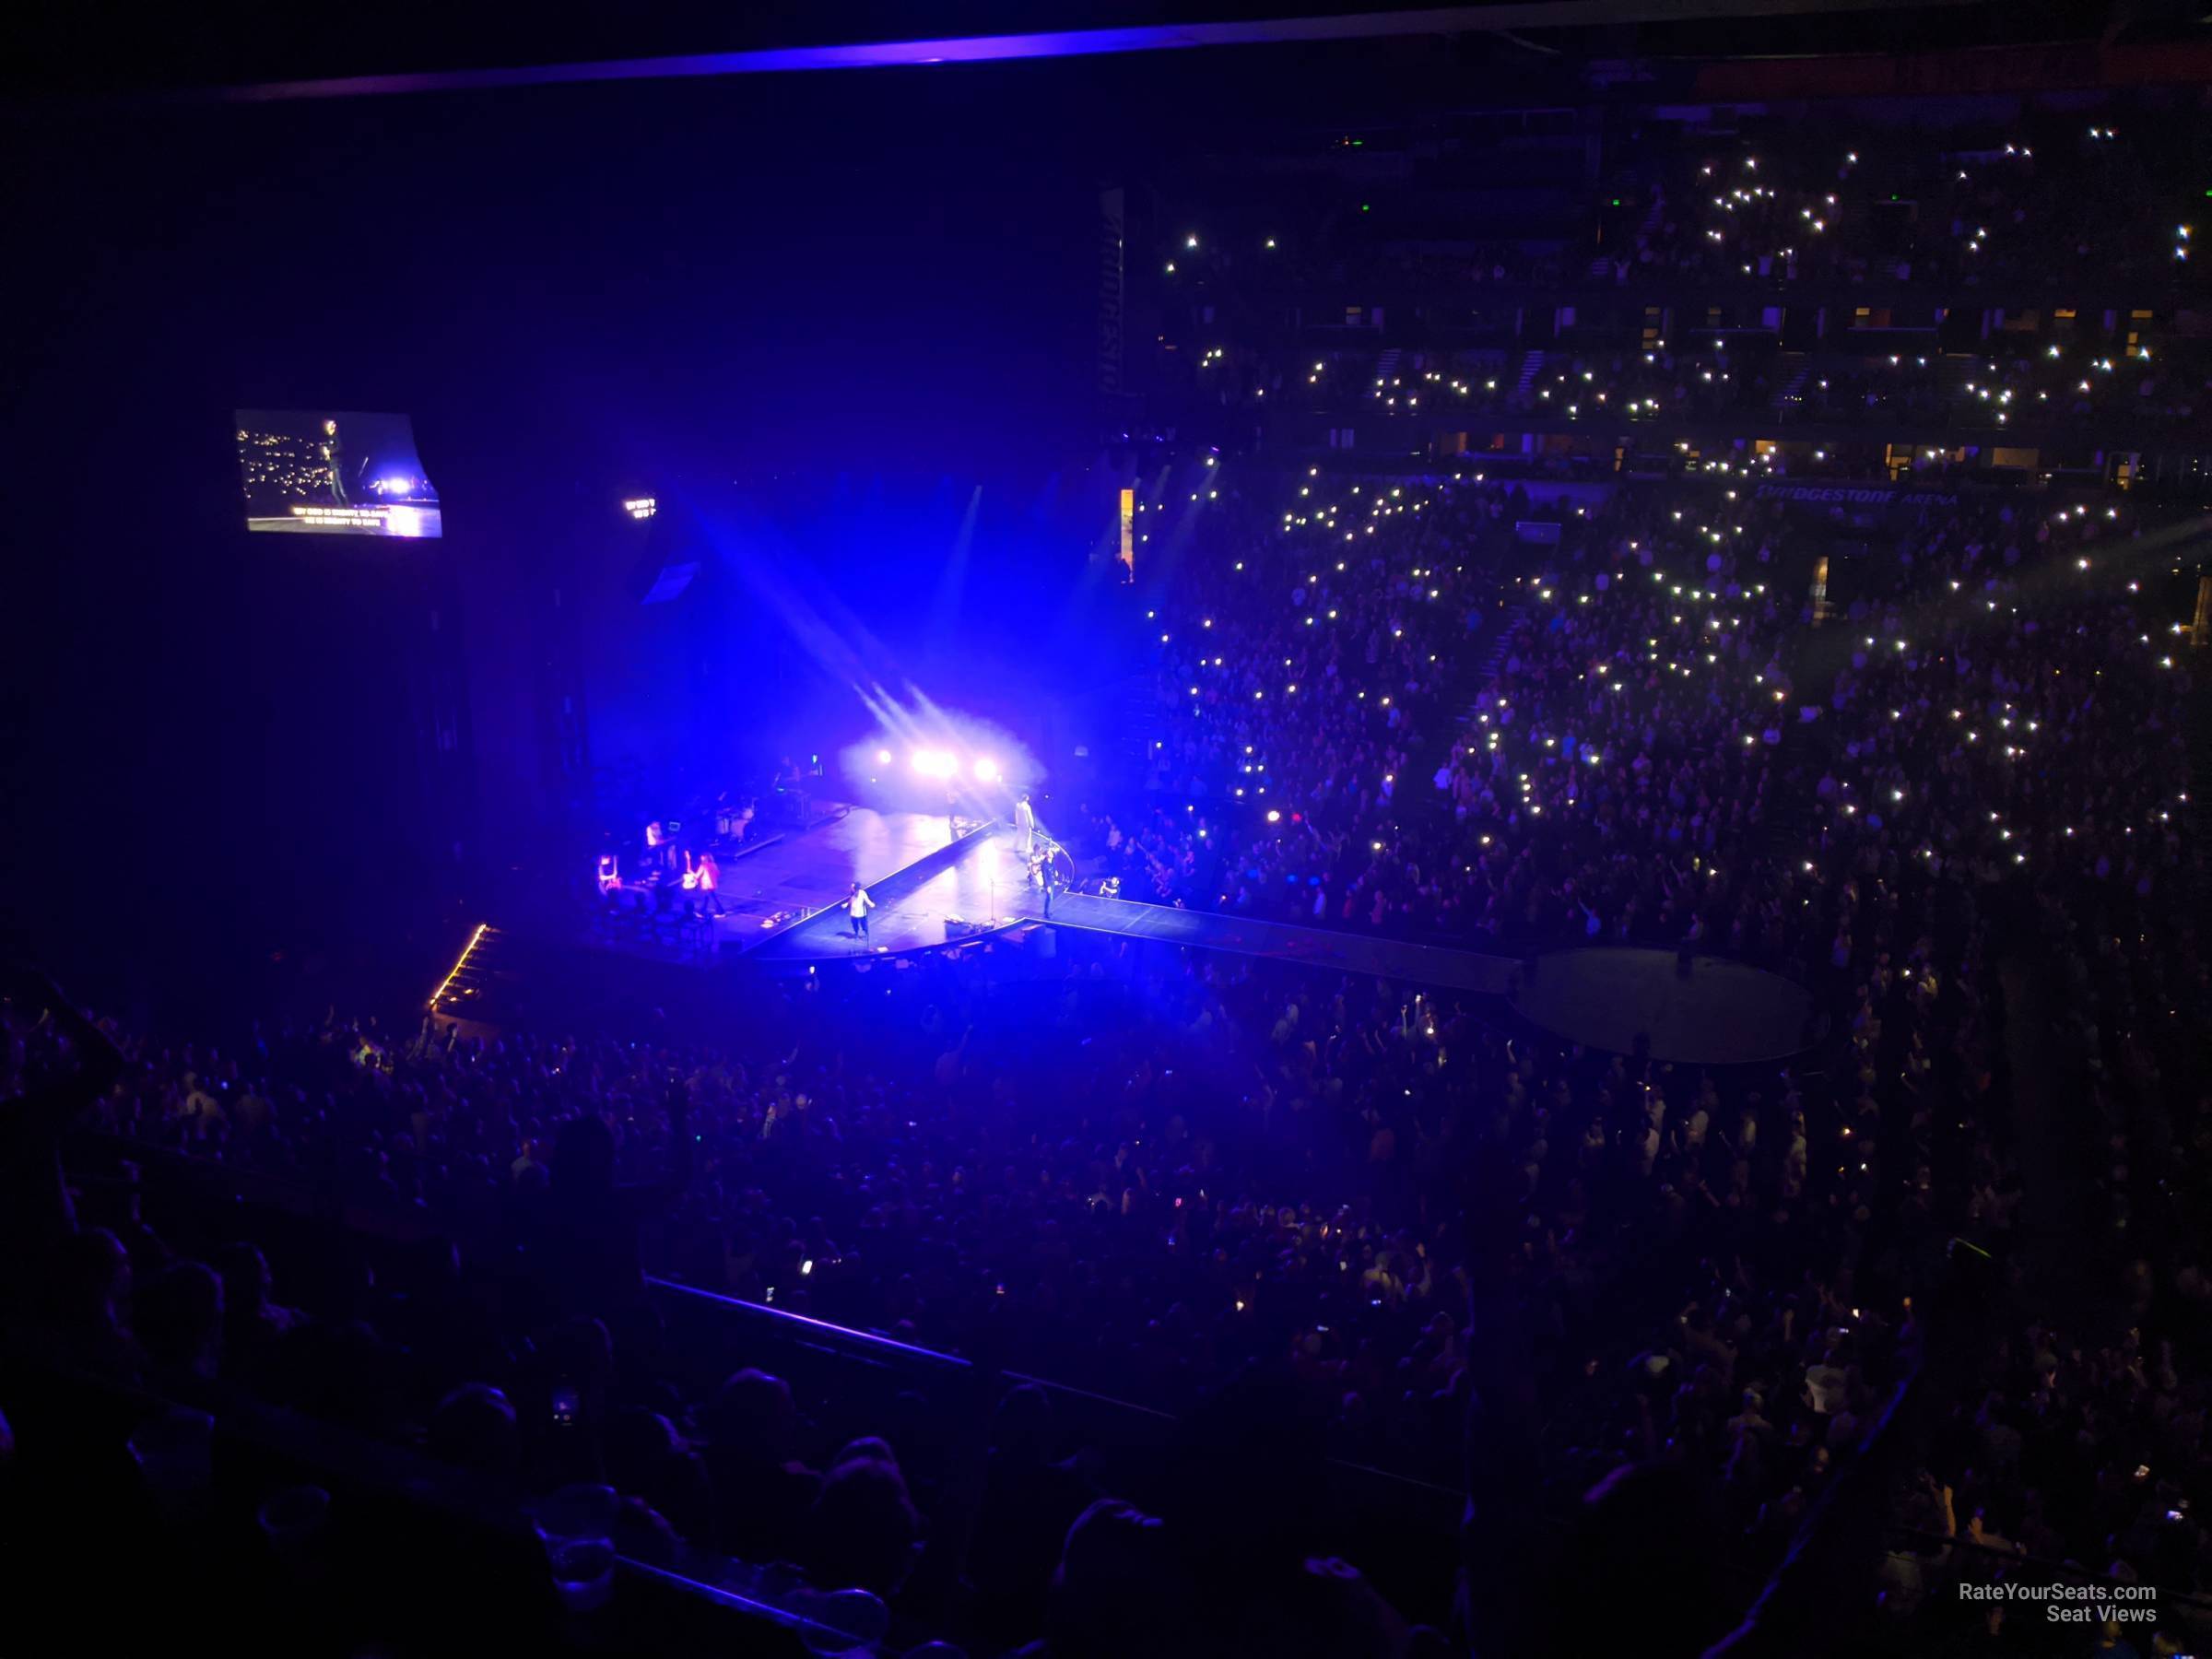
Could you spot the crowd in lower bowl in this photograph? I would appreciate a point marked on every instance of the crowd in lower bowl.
(1948, 793)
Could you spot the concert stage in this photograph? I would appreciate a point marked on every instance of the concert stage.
(980, 883)
(782, 892)
(1720, 1013)
(924, 883)
(786, 902)
(788, 907)
(776, 893)
(1440, 966)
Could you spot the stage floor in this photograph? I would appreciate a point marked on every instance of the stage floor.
(1723, 1013)
(807, 869)
(980, 882)
(786, 907)
(985, 882)
(1437, 965)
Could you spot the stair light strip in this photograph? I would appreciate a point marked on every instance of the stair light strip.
(460, 962)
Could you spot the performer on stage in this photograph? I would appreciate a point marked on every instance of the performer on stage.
(706, 877)
(1048, 876)
(1025, 826)
(333, 461)
(857, 905)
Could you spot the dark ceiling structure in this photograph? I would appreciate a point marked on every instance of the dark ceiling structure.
(95, 52)
(1513, 16)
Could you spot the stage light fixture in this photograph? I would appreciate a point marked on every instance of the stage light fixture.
(987, 771)
(883, 756)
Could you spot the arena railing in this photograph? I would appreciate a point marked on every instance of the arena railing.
(854, 1376)
(472, 1562)
(1139, 1424)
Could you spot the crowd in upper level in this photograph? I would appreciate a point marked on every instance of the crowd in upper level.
(1880, 385)
(2030, 202)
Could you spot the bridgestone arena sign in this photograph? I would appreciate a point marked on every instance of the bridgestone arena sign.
(1855, 495)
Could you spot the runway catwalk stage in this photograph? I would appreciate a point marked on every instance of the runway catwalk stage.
(787, 906)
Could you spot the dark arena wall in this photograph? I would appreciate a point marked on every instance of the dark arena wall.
(616, 325)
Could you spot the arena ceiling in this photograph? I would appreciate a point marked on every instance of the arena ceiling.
(101, 51)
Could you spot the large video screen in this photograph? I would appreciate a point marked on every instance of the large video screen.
(335, 472)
